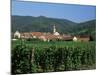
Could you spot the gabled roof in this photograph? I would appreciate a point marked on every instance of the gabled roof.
(50, 36)
(36, 33)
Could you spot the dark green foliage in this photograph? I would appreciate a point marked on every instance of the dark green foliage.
(72, 56)
(45, 24)
(41, 24)
(86, 28)
(21, 56)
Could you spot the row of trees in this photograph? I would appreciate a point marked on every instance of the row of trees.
(25, 59)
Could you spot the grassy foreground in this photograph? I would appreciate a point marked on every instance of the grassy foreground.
(38, 56)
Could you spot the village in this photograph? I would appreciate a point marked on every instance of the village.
(49, 36)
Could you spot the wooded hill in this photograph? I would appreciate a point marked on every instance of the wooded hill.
(45, 24)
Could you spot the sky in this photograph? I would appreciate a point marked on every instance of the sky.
(75, 13)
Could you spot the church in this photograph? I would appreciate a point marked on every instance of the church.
(17, 34)
(42, 35)
(54, 31)
(49, 36)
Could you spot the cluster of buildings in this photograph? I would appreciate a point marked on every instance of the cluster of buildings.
(49, 36)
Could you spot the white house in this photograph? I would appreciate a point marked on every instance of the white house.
(75, 38)
(17, 34)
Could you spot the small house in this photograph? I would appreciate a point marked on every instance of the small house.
(17, 34)
(81, 38)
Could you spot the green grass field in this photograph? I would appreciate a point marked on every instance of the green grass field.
(41, 44)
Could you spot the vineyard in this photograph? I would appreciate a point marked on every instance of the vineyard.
(38, 56)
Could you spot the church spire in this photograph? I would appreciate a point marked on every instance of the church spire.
(54, 29)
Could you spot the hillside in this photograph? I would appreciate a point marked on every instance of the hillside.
(86, 28)
(45, 24)
(41, 23)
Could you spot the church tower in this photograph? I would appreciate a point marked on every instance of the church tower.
(54, 30)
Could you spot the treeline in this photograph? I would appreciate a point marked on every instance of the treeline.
(25, 59)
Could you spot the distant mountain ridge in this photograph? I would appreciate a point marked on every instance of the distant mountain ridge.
(45, 24)
(41, 23)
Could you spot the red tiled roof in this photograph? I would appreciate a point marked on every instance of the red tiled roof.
(36, 33)
(50, 36)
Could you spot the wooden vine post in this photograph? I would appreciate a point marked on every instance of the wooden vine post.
(32, 56)
(31, 59)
